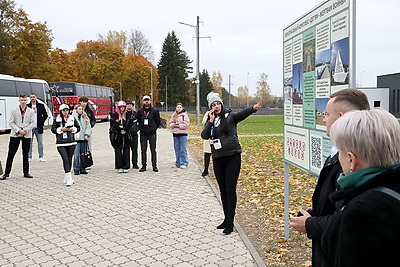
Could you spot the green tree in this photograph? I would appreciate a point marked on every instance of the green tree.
(205, 87)
(7, 16)
(174, 64)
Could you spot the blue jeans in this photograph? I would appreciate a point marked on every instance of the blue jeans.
(77, 161)
(180, 147)
(39, 139)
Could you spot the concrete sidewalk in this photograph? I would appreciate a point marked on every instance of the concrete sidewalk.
(110, 219)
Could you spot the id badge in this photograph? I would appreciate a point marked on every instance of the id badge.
(146, 122)
(217, 144)
(65, 135)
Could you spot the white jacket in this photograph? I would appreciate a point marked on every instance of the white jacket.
(17, 124)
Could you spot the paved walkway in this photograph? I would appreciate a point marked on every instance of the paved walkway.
(109, 219)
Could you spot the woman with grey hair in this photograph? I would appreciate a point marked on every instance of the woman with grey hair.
(366, 231)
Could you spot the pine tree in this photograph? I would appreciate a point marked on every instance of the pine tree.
(174, 64)
(205, 87)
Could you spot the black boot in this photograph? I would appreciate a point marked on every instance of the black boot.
(222, 225)
(207, 157)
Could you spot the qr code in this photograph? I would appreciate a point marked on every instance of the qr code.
(316, 152)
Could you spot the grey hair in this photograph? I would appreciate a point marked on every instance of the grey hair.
(372, 135)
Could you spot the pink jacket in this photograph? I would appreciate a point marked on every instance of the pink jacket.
(182, 119)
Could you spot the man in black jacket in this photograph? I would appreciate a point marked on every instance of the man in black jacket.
(314, 221)
(41, 116)
(132, 114)
(149, 121)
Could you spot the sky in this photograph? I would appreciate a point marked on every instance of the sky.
(239, 39)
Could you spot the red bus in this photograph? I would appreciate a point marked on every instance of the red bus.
(101, 98)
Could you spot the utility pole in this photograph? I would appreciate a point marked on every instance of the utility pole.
(120, 90)
(197, 68)
(229, 84)
(248, 89)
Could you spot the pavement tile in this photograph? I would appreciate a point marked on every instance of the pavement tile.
(110, 219)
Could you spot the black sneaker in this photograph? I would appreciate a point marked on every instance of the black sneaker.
(155, 169)
(204, 173)
(76, 173)
(4, 176)
(84, 172)
(143, 169)
(135, 167)
(27, 175)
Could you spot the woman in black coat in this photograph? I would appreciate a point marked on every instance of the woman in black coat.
(366, 232)
(221, 129)
(120, 137)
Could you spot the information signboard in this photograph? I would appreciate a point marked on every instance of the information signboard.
(316, 63)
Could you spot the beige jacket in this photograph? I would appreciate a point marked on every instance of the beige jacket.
(17, 124)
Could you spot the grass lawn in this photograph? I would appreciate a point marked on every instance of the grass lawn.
(254, 124)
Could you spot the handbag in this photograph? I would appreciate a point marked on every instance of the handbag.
(85, 156)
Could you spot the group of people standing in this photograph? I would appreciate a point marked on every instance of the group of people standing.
(125, 124)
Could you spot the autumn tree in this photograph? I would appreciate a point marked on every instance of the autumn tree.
(205, 87)
(263, 90)
(174, 64)
(136, 79)
(216, 81)
(116, 38)
(98, 63)
(7, 17)
(243, 96)
(65, 69)
(138, 45)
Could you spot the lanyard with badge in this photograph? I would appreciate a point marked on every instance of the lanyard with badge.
(146, 115)
(216, 142)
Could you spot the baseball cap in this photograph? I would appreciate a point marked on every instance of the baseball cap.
(121, 103)
(146, 97)
(128, 101)
(63, 106)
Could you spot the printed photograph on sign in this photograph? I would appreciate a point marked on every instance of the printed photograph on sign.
(340, 62)
(297, 83)
(287, 87)
(309, 56)
(322, 63)
(320, 112)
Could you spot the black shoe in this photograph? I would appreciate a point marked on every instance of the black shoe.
(155, 169)
(222, 225)
(27, 175)
(84, 172)
(76, 173)
(143, 169)
(205, 173)
(228, 230)
(4, 176)
(135, 167)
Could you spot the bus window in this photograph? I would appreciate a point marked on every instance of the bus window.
(86, 90)
(23, 88)
(37, 88)
(93, 91)
(79, 90)
(7, 88)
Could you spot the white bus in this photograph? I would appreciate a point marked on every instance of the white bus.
(10, 89)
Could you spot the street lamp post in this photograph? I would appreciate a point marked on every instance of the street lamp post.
(151, 83)
(247, 89)
(120, 90)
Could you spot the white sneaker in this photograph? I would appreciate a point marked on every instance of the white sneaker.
(183, 167)
(30, 160)
(69, 179)
(42, 160)
(174, 166)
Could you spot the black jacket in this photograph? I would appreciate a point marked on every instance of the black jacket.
(323, 208)
(153, 116)
(41, 115)
(133, 115)
(65, 138)
(229, 139)
(117, 139)
(90, 114)
(366, 232)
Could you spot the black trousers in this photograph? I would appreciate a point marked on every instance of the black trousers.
(12, 150)
(152, 139)
(134, 148)
(227, 170)
(66, 152)
(122, 158)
